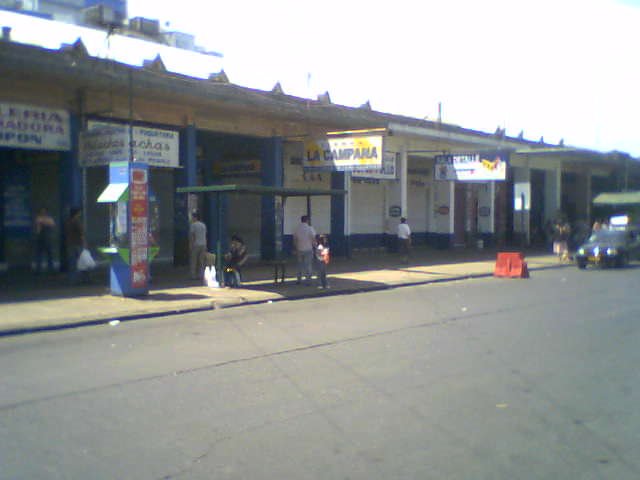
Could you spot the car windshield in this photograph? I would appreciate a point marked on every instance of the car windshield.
(607, 236)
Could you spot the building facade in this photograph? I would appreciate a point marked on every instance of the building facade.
(194, 131)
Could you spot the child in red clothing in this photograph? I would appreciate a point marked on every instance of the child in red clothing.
(322, 260)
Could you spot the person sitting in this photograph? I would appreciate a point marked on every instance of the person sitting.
(236, 257)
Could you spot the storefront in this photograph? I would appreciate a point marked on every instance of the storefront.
(35, 153)
(107, 142)
(466, 197)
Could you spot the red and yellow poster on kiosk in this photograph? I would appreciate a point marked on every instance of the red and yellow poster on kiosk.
(139, 211)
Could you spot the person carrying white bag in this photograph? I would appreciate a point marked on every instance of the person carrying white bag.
(76, 245)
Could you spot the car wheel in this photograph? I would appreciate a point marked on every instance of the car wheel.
(582, 264)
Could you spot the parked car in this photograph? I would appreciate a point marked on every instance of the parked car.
(610, 248)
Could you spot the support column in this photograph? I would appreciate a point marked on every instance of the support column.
(71, 181)
(492, 202)
(452, 210)
(552, 193)
(215, 205)
(522, 203)
(272, 175)
(403, 181)
(340, 215)
(184, 177)
(4, 159)
(588, 195)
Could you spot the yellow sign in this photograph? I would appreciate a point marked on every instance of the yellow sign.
(344, 153)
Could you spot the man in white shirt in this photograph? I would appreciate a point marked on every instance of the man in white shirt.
(304, 241)
(197, 246)
(404, 239)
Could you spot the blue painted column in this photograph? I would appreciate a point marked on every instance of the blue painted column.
(272, 173)
(70, 178)
(339, 241)
(4, 160)
(184, 177)
(215, 206)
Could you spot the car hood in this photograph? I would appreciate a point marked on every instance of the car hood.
(603, 245)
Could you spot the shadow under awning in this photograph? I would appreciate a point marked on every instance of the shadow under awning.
(262, 190)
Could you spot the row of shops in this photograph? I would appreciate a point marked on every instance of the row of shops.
(66, 116)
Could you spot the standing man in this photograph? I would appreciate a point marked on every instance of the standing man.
(197, 246)
(304, 241)
(45, 224)
(404, 239)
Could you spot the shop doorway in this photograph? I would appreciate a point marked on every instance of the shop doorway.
(536, 219)
(30, 182)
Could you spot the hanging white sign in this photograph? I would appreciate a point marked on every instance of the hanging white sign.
(471, 167)
(105, 142)
(34, 128)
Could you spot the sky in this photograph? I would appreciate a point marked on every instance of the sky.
(558, 69)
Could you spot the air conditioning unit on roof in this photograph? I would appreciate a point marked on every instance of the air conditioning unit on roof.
(182, 40)
(11, 4)
(146, 26)
(101, 15)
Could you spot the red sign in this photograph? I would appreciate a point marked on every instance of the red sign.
(139, 238)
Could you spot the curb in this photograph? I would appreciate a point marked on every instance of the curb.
(128, 317)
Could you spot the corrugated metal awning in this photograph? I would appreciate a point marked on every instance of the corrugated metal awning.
(262, 190)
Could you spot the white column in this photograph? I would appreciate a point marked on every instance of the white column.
(492, 202)
(347, 204)
(452, 207)
(403, 182)
(522, 200)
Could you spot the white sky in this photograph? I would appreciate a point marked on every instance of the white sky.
(555, 68)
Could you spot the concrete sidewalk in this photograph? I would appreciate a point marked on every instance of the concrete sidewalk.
(47, 303)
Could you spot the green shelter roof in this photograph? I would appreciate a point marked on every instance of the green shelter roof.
(262, 190)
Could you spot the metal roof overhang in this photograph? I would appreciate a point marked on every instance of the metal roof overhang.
(575, 155)
(617, 198)
(454, 136)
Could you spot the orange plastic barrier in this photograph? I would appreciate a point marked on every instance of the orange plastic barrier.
(511, 265)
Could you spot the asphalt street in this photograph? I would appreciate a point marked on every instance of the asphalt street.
(478, 379)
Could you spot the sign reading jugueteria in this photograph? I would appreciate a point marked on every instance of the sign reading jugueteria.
(35, 128)
(353, 153)
(106, 142)
(467, 167)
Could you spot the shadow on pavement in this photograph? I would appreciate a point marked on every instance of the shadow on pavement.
(24, 286)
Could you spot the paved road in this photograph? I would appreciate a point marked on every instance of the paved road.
(478, 379)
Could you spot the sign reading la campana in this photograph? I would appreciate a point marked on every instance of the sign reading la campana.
(344, 153)
(34, 128)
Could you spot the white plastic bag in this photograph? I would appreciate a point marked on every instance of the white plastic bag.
(85, 261)
(210, 277)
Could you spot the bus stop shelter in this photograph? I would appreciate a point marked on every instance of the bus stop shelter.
(283, 192)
